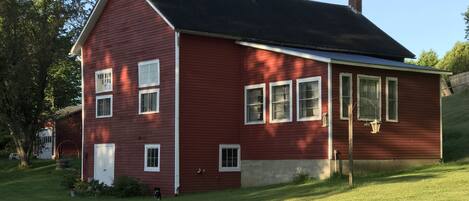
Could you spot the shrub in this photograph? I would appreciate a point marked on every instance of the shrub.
(92, 188)
(71, 176)
(301, 178)
(127, 187)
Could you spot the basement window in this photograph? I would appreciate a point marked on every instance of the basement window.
(103, 80)
(345, 94)
(309, 99)
(254, 104)
(391, 99)
(369, 98)
(229, 158)
(152, 158)
(149, 101)
(103, 106)
(280, 101)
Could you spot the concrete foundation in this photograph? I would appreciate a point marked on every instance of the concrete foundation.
(267, 172)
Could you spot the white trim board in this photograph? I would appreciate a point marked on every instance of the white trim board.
(329, 112)
(176, 112)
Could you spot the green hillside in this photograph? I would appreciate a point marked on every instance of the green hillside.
(456, 127)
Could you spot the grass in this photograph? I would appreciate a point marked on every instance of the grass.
(440, 182)
(456, 126)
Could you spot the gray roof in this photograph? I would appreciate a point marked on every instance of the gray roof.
(346, 58)
(68, 111)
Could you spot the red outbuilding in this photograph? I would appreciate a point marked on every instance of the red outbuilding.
(199, 95)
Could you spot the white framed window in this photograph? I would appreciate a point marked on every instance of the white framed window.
(229, 158)
(149, 73)
(152, 158)
(103, 80)
(104, 106)
(392, 99)
(281, 101)
(346, 94)
(254, 104)
(369, 98)
(308, 93)
(149, 101)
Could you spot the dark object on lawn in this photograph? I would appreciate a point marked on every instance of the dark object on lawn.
(62, 164)
(157, 193)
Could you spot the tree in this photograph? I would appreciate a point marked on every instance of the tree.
(457, 59)
(35, 37)
(428, 58)
(466, 19)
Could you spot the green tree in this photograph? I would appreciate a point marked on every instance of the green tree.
(457, 59)
(466, 19)
(428, 58)
(35, 37)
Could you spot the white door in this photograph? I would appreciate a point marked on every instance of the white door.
(104, 163)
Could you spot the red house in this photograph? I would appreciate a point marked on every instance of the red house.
(198, 95)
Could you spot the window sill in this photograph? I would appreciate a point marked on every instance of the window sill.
(144, 113)
(310, 119)
(102, 117)
(392, 121)
(254, 123)
(280, 121)
(151, 170)
(229, 170)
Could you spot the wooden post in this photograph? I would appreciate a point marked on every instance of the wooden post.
(350, 144)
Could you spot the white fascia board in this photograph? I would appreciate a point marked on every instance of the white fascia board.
(384, 67)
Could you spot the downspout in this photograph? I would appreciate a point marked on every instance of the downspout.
(176, 116)
(82, 114)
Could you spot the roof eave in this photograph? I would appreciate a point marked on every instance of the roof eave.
(335, 61)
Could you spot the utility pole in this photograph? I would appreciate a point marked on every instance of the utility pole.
(350, 144)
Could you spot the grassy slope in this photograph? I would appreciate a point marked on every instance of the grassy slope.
(442, 182)
(456, 126)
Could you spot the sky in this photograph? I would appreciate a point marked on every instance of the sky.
(418, 24)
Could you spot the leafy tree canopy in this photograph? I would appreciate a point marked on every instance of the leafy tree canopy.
(457, 59)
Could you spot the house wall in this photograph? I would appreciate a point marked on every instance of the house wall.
(211, 110)
(129, 32)
(68, 135)
(415, 136)
(282, 149)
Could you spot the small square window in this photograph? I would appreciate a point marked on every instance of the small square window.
(149, 101)
(103, 80)
(230, 158)
(149, 73)
(152, 158)
(103, 106)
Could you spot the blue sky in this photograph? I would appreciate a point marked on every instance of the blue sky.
(418, 24)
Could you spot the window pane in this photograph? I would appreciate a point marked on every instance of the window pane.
(392, 100)
(309, 99)
(369, 99)
(148, 74)
(280, 102)
(103, 82)
(345, 86)
(224, 158)
(345, 104)
(148, 102)
(254, 107)
(104, 107)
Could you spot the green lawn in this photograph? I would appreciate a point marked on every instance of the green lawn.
(449, 181)
(441, 182)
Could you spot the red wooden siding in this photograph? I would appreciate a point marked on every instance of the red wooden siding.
(68, 135)
(279, 141)
(129, 32)
(210, 110)
(416, 136)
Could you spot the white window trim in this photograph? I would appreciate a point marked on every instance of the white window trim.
(303, 80)
(387, 99)
(229, 169)
(249, 87)
(146, 91)
(152, 169)
(279, 83)
(107, 70)
(103, 97)
(154, 61)
(360, 76)
(340, 95)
